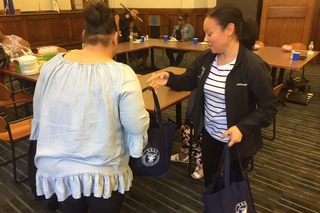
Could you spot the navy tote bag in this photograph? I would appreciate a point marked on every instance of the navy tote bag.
(228, 192)
(155, 158)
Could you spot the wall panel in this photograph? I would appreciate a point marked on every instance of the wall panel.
(61, 29)
(65, 29)
(286, 22)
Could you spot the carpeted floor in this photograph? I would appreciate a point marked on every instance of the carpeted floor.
(285, 179)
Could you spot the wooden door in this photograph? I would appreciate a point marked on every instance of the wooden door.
(286, 22)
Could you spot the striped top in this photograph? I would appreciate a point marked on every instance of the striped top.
(215, 121)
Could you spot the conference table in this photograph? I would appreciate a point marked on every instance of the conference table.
(200, 47)
(276, 57)
(127, 47)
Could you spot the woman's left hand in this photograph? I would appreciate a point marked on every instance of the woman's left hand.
(234, 135)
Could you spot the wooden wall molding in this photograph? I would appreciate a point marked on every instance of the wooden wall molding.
(65, 29)
(61, 29)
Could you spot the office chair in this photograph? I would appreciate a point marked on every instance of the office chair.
(9, 99)
(276, 91)
(12, 133)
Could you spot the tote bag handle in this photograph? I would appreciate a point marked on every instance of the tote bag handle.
(225, 158)
(156, 104)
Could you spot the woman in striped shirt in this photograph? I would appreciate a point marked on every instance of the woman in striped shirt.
(231, 81)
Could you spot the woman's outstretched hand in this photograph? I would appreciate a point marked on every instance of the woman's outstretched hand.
(158, 80)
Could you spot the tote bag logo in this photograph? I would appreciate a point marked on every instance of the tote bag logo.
(150, 157)
(241, 207)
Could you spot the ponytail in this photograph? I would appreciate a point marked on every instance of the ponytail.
(249, 33)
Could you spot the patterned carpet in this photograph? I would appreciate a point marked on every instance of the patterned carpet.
(285, 179)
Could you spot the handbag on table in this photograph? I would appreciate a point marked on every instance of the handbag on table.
(228, 192)
(155, 158)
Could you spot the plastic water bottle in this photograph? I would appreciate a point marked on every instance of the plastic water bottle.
(131, 37)
(310, 48)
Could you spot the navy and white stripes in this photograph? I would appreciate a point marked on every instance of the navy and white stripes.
(214, 94)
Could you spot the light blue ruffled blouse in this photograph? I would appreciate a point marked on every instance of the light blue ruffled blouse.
(88, 119)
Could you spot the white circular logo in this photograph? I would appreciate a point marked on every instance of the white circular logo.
(150, 157)
(241, 207)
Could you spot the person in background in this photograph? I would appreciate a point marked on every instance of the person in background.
(181, 32)
(122, 23)
(230, 82)
(136, 34)
(89, 118)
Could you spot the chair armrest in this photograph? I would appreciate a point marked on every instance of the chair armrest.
(19, 120)
(14, 102)
(21, 90)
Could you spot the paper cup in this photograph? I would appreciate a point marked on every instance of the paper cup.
(142, 38)
(165, 38)
(28, 65)
(295, 56)
(195, 40)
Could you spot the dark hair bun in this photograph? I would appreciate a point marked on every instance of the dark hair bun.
(96, 14)
(185, 16)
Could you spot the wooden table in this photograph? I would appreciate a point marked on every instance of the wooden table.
(200, 47)
(151, 44)
(276, 57)
(159, 43)
(10, 72)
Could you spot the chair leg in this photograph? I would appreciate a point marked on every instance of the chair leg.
(14, 165)
(16, 111)
(302, 72)
(273, 131)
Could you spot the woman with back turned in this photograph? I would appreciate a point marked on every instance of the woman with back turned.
(89, 117)
(234, 92)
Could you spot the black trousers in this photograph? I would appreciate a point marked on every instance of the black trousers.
(212, 152)
(177, 61)
(52, 202)
(96, 205)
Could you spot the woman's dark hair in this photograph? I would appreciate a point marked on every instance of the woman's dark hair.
(227, 13)
(250, 33)
(184, 16)
(99, 24)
